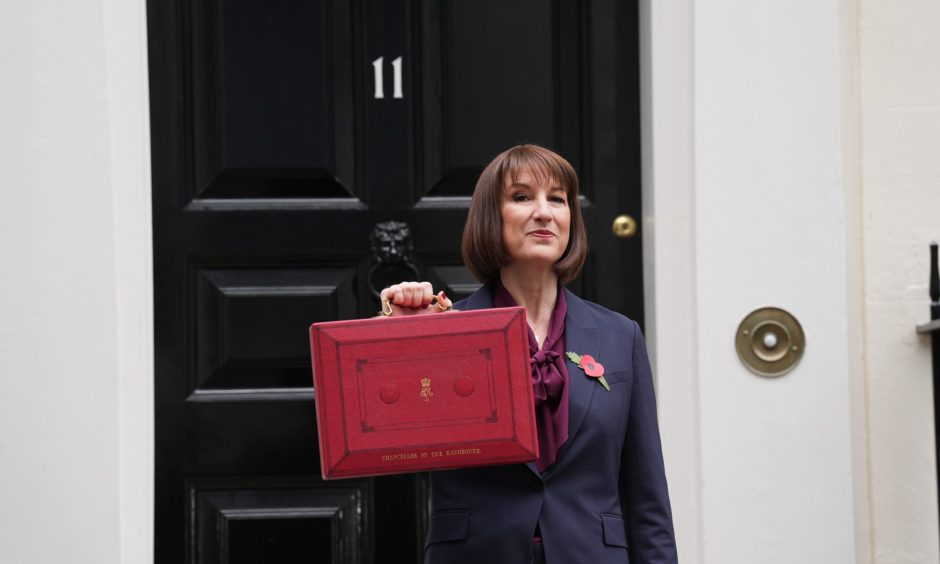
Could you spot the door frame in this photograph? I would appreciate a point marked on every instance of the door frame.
(125, 38)
(666, 76)
(669, 269)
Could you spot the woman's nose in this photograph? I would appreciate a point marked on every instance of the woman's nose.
(542, 210)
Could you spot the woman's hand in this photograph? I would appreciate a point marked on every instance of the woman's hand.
(414, 298)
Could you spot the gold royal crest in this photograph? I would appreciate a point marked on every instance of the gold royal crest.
(426, 392)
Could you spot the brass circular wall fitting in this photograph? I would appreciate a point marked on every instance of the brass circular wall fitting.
(770, 341)
(624, 226)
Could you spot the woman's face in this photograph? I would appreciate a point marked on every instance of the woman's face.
(536, 219)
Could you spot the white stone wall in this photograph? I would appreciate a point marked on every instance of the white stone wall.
(900, 141)
(58, 391)
(75, 355)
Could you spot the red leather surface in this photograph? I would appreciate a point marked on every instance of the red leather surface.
(418, 393)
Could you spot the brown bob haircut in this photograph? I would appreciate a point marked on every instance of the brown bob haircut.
(482, 245)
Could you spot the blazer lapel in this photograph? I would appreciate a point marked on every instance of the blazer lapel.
(481, 299)
(582, 336)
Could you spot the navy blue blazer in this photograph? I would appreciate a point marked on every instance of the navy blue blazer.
(604, 500)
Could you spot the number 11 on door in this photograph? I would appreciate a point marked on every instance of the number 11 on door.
(380, 81)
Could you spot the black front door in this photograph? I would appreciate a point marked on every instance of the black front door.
(286, 135)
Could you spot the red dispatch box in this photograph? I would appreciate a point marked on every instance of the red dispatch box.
(407, 394)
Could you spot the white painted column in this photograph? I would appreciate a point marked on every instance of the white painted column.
(59, 493)
(770, 230)
(767, 464)
(76, 362)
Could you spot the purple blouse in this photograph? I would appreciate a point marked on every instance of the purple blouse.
(549, 378)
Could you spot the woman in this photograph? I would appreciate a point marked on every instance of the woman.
(597, 493)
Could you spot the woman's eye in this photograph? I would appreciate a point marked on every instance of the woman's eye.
(519, 197)
(559, 200)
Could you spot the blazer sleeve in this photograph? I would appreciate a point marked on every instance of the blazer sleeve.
(643, 491)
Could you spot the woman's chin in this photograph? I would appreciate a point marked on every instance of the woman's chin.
(536, 259)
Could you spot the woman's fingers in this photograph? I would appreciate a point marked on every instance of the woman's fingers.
(407, 291)
(410, 294)
(409, 298)
(426, 292)
(444, 302)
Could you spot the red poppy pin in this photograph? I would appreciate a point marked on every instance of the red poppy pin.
(590, 366)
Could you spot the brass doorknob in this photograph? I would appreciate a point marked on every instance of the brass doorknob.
(624, 226)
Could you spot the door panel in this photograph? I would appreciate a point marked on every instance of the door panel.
(251, 324)
(294, 522)
(283, 133)
(264, 124)
(492, 76)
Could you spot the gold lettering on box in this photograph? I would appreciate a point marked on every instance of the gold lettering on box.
(462, 452)
(433, 454)
(401, 456)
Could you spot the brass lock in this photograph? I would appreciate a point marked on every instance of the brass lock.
(770, 341)
(624, 226)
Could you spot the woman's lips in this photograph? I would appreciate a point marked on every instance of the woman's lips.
(542, 233)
